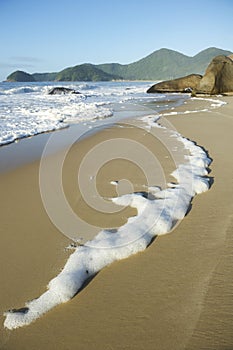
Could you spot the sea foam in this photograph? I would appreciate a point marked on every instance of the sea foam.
(28, 109)
(157, 214)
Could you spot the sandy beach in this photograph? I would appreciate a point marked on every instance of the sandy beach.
(175, 295)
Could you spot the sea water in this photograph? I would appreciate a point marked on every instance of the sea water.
(27, 109)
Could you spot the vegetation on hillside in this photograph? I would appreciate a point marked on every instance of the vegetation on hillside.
(85, 72)
(162, 64)
(20, 76)
(165, 64)
(44, 76)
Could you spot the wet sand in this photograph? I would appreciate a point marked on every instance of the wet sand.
(175, 295)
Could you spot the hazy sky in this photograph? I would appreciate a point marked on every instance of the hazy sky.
(49, 35)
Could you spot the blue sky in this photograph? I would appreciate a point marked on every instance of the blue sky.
(49, 35)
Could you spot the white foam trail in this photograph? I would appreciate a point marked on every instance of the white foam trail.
(157, 215)
(214, 103)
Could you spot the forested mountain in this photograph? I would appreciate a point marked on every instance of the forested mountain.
(164, 64)
(160, 65)
(85, 72)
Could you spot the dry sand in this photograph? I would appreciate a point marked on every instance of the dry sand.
(175, 295)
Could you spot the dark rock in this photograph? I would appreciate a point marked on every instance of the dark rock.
(184, 84)
(62, 90)
(218, 77)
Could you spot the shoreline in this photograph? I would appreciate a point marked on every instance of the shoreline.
(29, 147)
(160, 302)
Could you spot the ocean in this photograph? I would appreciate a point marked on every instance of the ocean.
(27, 109)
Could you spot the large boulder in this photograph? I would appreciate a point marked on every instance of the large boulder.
(218, 77)
(184, 84)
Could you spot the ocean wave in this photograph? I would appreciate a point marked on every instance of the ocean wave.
(27, 108)
(20, 90)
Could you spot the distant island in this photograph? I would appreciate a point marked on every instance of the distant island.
(160, 65)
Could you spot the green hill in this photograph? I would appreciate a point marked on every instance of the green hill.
(44, 76)
(162, 64)
(85, 72)
(20, 76)
(158, 65)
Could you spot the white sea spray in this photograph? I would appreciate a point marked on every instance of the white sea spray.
(28, 109)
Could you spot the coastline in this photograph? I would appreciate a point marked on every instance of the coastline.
(166, 290)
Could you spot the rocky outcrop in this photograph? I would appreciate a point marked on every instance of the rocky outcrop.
(218, 77)
(60, 90)
(184, 84)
